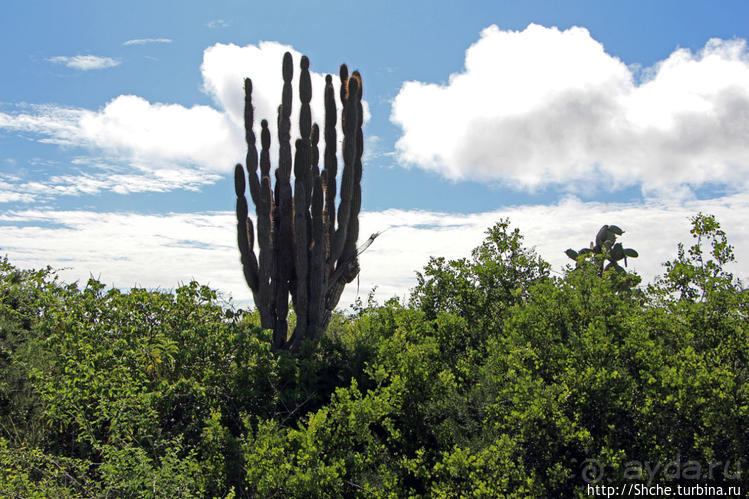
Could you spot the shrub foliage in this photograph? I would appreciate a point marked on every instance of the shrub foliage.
(495, 379)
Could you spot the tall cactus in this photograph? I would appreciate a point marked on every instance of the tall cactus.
(303, 252)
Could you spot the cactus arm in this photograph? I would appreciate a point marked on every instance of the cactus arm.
(317, 251)
(302, 193)
(244, 233)
(284, 268)
(617, 252)
(305, 128)
(601, 237)
(347, 266)
(251, 161)
(331, 167)
(349, 258)
(301, 244)
(264, 208)
(260, 194)
(314, 138)
(317, 267)
(343, 76)
(349, 123)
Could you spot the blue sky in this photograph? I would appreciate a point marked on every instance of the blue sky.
(118, 127)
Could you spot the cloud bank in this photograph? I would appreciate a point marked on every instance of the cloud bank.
(544, 106)
(127, 249)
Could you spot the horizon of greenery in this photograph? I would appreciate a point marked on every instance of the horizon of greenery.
(495, 379)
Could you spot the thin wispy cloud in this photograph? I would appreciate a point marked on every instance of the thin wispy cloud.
(144, 41)
(117, 179)
(218, 23)
(85, 62)
(9, 193)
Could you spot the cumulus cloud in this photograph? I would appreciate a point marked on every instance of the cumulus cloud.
(225, 66)
(159, 251)
(145, 139)
(85, 62)
(545, 106)
(144, 41)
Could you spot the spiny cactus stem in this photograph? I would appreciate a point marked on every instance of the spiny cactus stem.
(349, 122)
(331, 166)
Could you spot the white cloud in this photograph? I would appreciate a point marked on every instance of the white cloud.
(161, 132)
(225, 66)
(653, 229)
(156, 137)
(125, 249)
(85, 62)
(160, 251)
(9, 194)
(103, 177)
(543, 106)
(143, 41)
(131, 127)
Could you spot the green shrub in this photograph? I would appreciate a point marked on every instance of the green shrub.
(496, 380)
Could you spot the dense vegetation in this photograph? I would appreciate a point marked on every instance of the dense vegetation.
(495, 378)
